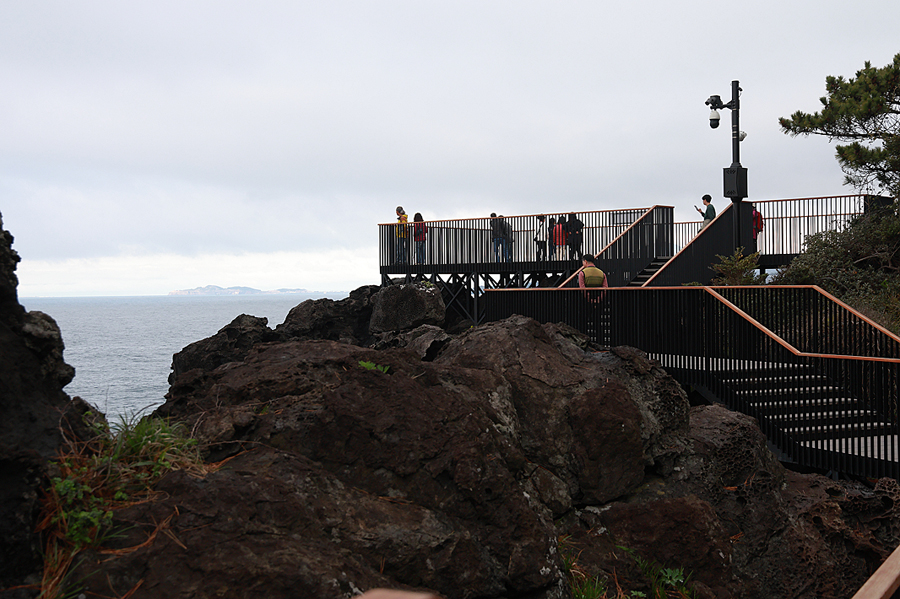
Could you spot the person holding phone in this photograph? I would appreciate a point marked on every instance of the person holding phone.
(709, 214)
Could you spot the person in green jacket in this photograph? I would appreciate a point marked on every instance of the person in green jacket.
(710, 213)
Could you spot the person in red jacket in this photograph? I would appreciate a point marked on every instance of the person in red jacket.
(420, 231)
(757, 220)
(560, 237)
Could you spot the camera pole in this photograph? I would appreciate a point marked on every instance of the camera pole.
(735, 176)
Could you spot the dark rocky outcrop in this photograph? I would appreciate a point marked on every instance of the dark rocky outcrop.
(32, 405)
(345, 320)
(459, 473)
(405, 307)
(367, 315)
(230, 344)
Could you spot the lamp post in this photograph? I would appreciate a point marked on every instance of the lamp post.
(735, 176)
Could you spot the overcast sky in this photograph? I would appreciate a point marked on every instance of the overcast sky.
(153, 146)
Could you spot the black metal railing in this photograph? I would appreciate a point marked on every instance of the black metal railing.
(684, 233)
(624, 239)
(649, 238)
(501, 244)
(825, 396)
(692, 263)
(785, 225)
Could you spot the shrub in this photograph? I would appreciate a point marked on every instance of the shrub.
(738, 269)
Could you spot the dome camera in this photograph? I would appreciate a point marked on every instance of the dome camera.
(714, 118)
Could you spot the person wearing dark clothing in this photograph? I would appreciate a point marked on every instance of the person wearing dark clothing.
(709, 214)
(499, 235)
(551, 225)
(507, 234)
(540, 238)
(575, 228)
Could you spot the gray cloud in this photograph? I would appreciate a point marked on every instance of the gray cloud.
(211, 127)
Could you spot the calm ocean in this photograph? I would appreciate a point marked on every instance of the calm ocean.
(121, 347)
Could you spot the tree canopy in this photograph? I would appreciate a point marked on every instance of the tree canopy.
(864, 111)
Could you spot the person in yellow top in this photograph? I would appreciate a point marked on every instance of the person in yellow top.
(591, 276)
(402, 236)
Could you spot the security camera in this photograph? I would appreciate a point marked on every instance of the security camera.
(714, 118)
(742, 135)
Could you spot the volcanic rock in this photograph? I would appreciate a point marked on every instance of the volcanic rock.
(345, 320)
(404, 307)
(230, 344)
(494, 443)
(33, 409)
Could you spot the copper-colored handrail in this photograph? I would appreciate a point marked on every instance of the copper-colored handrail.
(508, 216)
(791, 348)
(885, 580)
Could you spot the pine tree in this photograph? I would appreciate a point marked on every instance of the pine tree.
(864, 111)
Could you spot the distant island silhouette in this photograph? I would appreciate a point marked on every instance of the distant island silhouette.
(216, 290)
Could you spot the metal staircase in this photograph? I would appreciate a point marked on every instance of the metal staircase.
(648, 272)
(801, 408)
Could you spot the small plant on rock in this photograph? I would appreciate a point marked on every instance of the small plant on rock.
(374, 366)
(92, 478)
(664, 582)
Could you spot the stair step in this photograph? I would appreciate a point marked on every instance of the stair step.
(823, 418)
(845, 431)
(798, 381)
(826, 404)
(768, 371)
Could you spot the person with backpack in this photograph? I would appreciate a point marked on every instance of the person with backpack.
(757, 220)
(420, 232)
